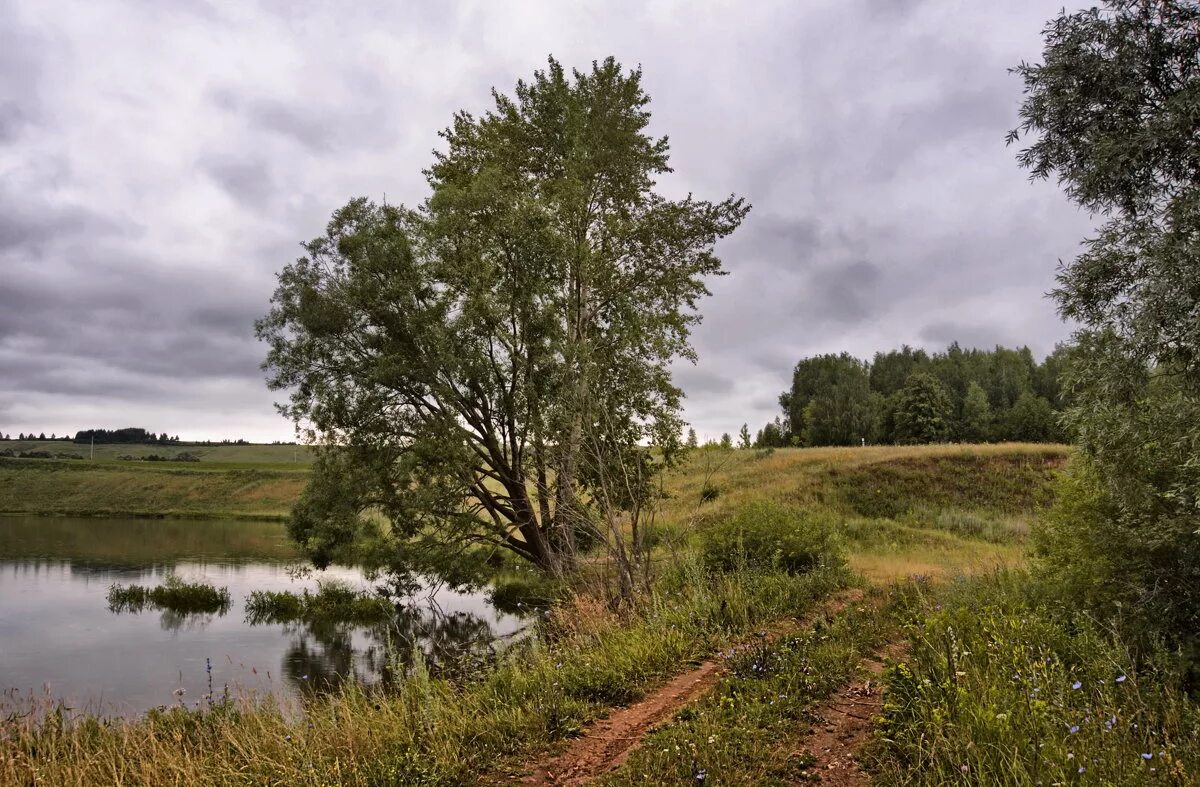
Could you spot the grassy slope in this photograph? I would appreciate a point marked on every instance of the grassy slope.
(931, 510)
(899, 496)
(70, 487)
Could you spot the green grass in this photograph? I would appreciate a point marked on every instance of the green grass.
(332, 601)
(255, 453)
(424, 730)
(745, 730)
(1006, 684)
(173, 594)
(71, 488)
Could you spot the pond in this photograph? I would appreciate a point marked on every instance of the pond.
(59, 641)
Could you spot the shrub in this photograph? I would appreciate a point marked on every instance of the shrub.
(709, 493)
(764, 534)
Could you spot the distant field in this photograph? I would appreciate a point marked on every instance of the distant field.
(72, 487)
(242, 454)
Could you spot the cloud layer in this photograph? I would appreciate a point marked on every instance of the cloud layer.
(160, 161)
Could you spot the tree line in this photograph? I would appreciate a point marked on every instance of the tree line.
(909, 396)
(121, 436)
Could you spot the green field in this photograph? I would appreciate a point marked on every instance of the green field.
(75, 488)
(253, 454)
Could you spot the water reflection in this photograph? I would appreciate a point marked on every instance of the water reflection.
(57, 636)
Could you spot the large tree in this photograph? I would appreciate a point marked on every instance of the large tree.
(1113, 113)
(489, 368)
(829, 402)
(923, 411)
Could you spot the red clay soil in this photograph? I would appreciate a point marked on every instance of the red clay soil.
(609, 742)
(843, 728)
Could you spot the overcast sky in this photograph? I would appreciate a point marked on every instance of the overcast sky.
(160, 161)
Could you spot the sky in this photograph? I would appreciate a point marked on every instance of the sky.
(160, 161)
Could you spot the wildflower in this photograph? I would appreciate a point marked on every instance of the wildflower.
(1070, 755)
(1120, 679)
(964, 768)
(1082, 769)
(1074, 729)
(1077, 685)
(1147, 755)
(287, 737)
(701, 775)
(712, 739)
(304, 677)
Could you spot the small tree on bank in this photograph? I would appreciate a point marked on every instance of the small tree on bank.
(488, 369)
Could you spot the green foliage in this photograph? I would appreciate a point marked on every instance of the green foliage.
(1110, 113)
(923, 411)
(773, 435)
(1031, 419)
(976, 420)
(173, 595)
(830, 401)
(726, 441)
(333, 601)
(691, 438)
(840, 400)
(1004, 685)
(485, 363)
(744, 440)
(771, 535)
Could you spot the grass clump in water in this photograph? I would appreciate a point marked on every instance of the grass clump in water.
(173, 595)
(333, 601)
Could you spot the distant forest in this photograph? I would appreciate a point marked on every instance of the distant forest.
(127, 435)
(909, 396)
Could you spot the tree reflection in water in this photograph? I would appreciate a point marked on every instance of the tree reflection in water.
(325, 654)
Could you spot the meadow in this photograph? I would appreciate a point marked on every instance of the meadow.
(921, 565)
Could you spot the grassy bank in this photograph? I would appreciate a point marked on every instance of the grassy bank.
(1007, 683)
(72, 488)
(425, 730)
(939, 511)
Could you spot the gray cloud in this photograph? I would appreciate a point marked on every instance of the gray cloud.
(162, 161)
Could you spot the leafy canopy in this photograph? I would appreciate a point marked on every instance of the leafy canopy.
(1112, 113)
(478, 367)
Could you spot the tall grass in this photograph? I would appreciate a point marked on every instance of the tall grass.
(745, 731)
(1005, 685)
(173, 594)
(331, 601)
(424, 730)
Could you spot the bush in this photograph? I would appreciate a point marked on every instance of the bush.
(709, 493)
(763, 534)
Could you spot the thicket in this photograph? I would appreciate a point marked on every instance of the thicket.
(908, 396)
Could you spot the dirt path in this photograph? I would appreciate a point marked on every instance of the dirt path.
(609, 741)
(843, 726)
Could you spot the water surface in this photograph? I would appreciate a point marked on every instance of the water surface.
(59, 641)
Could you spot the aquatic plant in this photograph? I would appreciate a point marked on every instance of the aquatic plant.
(173, 595)
(333, 601)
